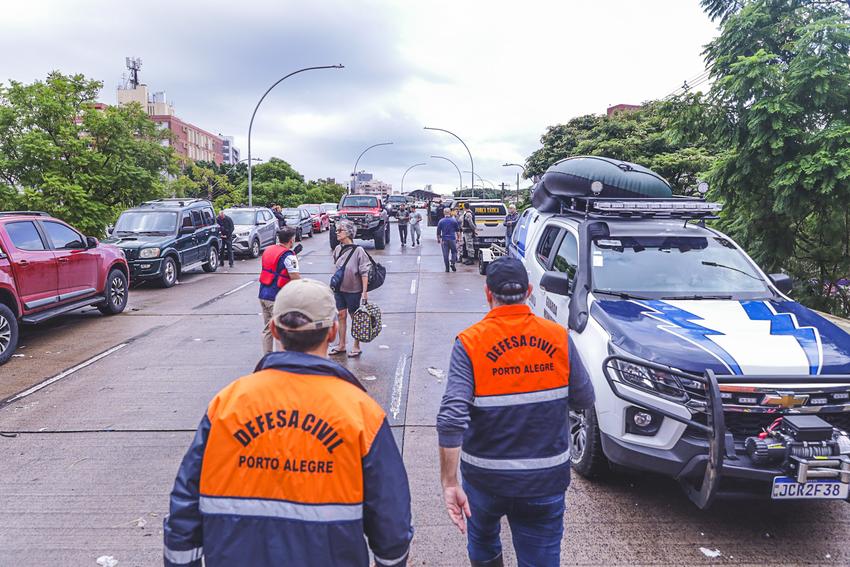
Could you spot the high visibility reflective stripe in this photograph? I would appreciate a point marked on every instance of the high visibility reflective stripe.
(391, 562)
(281, 509)
(183, 557)
(520, 399)
(515, 464)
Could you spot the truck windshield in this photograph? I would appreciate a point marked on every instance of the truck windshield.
(241, 217)
(396, 199)
(674, 267)
(146, 221)
(312, 209)
(360, 201)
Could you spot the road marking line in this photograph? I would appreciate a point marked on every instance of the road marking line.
(398, 383)
(413, 286)
(241, 287)
(65, 373)
(418, 259)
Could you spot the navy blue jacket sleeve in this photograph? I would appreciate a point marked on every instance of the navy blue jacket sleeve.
(581, 388)
(183, 526)
(453, 417)
(387, 520)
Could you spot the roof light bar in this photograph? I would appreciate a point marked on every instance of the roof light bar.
(649, 206)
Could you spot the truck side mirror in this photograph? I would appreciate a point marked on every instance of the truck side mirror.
(558, 283)
(110, 229)
(783, 282)
(91, 242)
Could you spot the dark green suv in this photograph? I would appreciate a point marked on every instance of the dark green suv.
(166, 237)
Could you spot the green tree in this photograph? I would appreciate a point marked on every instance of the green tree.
(645, 136)
(779, 108)
(61, 153)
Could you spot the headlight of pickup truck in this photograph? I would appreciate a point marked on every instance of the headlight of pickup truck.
(647, 378)
(149, 253)
(243, 233)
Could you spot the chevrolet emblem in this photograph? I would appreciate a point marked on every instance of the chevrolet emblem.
(786, 401)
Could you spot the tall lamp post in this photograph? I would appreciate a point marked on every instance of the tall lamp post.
(471, 163)
(517, 177)
(354, 175)
(482, 180)
(459, 177)
(405, 173)
(251, 124)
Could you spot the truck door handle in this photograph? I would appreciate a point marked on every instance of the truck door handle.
(23, 263)
(63, 260)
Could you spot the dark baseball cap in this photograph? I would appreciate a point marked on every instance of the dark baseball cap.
(507, 276)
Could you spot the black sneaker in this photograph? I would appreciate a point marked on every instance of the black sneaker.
(453, 268)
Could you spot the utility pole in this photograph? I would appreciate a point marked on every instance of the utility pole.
(502, 185)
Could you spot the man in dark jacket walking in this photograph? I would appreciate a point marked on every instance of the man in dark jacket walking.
(293, 464)
(504, 417)
(225, 226)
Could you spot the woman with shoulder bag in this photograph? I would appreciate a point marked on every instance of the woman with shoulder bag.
(353, 287)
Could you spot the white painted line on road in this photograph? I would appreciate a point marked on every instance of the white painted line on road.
(66, 373)
(398, 386)
(413, 286)
(418, 259)
(241, 287)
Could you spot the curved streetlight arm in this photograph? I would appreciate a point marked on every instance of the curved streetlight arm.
(471, 163)
(459, 176)
(354, 174)
(251, 124)
(515, 165)
(481, 179)
(405, 173)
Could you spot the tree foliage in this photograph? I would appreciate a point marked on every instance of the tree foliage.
(779, 107)
(61, 154)
(643, 136)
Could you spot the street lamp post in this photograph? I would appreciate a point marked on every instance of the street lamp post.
(354, 175)
(251, 124)
(405, 173)
(471, 163)
(459, 176)
(482, 180)
(517, 177)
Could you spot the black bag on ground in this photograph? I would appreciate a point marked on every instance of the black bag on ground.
(339, 274)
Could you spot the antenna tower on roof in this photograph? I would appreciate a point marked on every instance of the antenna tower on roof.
(134, 64)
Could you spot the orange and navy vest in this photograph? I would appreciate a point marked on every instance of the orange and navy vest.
(272, 278)
(517, 442)
(298, 460)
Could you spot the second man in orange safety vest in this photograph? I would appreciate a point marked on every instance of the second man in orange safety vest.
(280, 266)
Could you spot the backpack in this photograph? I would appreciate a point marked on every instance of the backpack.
(339, 274)
(366, 322)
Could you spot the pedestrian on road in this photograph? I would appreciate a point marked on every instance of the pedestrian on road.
(415, 228)
(504, 416)
(355, 282)
(293, 464)
(225, 226)
(448, 231)
(281, 220)
(510, 222)
(469, 231)
(403, 219)
(279, 267)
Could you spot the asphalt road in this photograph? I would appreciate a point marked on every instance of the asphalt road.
(89, 460)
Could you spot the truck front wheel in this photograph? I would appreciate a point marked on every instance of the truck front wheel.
(586, 444)
(8, 333)
(379, 239)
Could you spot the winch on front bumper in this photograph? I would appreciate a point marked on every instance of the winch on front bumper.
(786, 429)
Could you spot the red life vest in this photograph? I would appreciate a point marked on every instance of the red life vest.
(271, 258)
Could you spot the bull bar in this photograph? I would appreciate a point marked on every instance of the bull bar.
(665, 390)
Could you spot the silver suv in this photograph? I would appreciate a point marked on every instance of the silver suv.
(254, 229)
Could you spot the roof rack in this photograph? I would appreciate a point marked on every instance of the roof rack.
(640, 208)
(24, 213)
(178, 201)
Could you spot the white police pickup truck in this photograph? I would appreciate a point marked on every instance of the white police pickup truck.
(704, 369)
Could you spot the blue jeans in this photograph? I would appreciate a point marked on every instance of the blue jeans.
(537, 526)
(449, 247)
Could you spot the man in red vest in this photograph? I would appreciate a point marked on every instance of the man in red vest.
(512, 378)
(280, 266)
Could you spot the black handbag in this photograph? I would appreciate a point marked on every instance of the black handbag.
(377, 274)
(339, 274)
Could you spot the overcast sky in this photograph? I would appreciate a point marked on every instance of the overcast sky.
(495, 73)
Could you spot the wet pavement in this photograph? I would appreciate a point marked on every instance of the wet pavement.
(89, 460)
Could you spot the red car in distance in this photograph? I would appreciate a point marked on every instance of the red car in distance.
(319, 215)
(47, 268)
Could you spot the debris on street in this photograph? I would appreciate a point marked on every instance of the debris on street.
(710, 552)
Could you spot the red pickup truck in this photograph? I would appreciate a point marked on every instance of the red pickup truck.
(47, 268)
